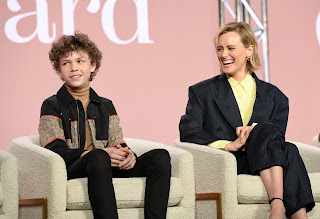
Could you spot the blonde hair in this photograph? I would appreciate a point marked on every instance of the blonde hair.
(247, 38)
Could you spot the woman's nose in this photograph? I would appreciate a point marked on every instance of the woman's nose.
(225, 53)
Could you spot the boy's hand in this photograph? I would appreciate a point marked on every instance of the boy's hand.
(129, 162)
(121, 157)
(116, 154)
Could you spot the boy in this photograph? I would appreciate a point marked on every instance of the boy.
(84, 130)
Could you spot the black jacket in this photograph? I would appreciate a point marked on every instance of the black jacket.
(62, 124)
(212, 112)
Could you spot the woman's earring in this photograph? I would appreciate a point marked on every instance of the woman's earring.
(248, 59)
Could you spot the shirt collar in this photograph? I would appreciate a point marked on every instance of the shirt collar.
(66, 98)
(246, 83)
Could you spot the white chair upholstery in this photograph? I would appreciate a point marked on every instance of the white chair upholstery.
(315, 141)
(8, 186)
(42, 173)
(243, 196)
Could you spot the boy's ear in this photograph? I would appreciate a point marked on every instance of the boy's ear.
(60, 76)
(93, 67)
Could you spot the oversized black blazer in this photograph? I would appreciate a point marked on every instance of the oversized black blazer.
(212, 112)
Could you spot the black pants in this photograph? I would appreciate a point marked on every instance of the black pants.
(265, 148)
(96, 165)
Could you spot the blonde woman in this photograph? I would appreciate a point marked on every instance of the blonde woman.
(237, 112)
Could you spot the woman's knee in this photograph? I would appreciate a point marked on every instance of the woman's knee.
(268, 127)
(266, 132)
(292, 149)
(292, 155)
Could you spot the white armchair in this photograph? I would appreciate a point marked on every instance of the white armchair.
(315, 141)
(243, 196)
(42, 174)
(8, 186)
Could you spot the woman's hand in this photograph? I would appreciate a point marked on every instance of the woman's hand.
(243, 133)
(235, 145)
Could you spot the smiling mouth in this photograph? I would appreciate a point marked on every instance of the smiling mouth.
(75, 76)
(227, 63)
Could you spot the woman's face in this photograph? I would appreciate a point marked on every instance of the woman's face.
(232, 55)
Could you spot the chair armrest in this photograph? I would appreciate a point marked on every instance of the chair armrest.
(215, 172)
(42, 173)
(9, 184)
(310, 156)
(181, 164)
(177, 155)
(315, 141)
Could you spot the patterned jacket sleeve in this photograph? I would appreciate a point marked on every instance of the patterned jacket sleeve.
(52, 134)
(115, 131)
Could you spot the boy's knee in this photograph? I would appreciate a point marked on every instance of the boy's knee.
(99, 157)
(160, 158)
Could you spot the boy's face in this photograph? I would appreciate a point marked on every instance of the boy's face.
(76, 68)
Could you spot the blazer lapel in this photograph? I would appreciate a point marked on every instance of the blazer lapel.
(262, 108)
(227, 103)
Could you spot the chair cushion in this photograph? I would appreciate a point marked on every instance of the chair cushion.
(315, 185)
(251, 189)
(129, 193)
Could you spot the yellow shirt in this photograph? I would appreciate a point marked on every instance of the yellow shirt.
(245, 94)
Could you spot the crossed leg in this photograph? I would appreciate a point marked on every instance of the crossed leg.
(273, 181)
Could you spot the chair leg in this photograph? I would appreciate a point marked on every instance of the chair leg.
(215, 196)
(37, 201)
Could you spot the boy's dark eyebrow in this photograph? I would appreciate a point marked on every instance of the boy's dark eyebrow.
(82, 57)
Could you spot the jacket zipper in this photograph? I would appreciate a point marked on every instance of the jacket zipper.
(78, 123)
(89, 126)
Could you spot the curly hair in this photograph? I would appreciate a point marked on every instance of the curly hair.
(247, 38)
(67, 44)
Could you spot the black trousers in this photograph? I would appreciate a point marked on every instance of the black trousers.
(96, 165)
(266, 147)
